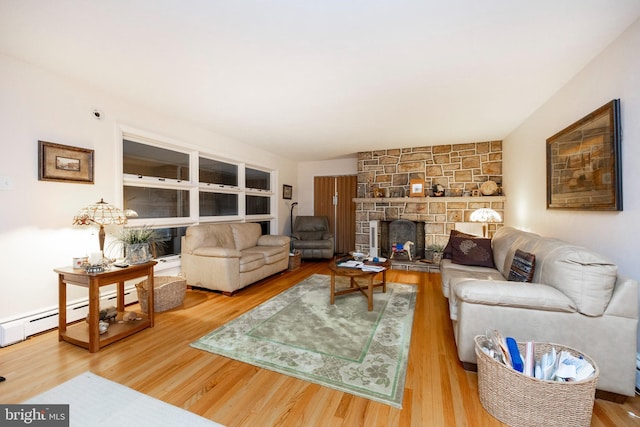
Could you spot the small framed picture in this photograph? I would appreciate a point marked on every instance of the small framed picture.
(287, 192)
(416, 188)
(57, 162)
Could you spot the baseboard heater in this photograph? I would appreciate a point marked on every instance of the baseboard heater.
(19, 328)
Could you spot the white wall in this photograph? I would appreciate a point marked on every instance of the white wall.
(615, 73)
(35, 216)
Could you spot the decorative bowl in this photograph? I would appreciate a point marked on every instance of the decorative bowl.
(359, 256)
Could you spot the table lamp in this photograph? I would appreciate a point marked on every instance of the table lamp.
(485, 216)
(101, 213)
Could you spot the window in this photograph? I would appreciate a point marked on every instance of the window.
(218, 188)
(171, 187)
(218, 204)
(170, 241)
(258, 205)
(217, 172)
(146, 160)
(157, 202)
(257, 179)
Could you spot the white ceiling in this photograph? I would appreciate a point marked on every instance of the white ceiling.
(322, 79)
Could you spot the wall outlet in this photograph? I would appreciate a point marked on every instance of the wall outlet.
(6, 182)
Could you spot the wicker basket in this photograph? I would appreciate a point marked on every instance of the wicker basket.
(519, 400)
(294, 261)
(168, 293)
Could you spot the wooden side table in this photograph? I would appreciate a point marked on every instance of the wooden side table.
(88, 335)
(352, 273)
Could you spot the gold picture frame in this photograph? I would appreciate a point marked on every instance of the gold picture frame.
(584, 163)
(64, 163)
(416, 188)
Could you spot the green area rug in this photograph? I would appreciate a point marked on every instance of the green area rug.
(342, 346)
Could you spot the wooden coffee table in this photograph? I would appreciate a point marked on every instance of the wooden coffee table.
(352, 274)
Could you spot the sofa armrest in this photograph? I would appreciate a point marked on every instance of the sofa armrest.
(625, 292)
(327, 236)
(217, 252)
(273, 240)
(534, 296)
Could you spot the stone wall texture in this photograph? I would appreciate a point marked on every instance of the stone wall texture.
(454, 166)
(461, 167)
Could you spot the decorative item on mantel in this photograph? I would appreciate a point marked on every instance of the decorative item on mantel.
(378, 193)
(416, 188)
(100, 213)
(438, 190)
(489, 188)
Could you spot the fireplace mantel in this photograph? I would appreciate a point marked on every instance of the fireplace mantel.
(465, 199)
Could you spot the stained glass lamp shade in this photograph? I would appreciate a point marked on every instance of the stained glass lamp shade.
(485, 216)
(100, 213)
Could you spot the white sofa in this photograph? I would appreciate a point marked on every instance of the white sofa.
(228, 257)
(576, 298)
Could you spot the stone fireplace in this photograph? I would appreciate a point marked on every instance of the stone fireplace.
(459, 167)
(401, 231)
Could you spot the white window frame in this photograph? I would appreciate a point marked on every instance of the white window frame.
(193, 185)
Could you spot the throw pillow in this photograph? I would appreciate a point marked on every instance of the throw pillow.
(522, 267)
(448, 250)
(471, 251)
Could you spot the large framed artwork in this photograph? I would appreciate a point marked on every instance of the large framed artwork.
(584, 163)
(64, 163)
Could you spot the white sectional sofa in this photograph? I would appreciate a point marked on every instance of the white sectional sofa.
(576, 298)
(228, 257)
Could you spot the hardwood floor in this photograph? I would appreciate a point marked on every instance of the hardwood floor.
(160, 363)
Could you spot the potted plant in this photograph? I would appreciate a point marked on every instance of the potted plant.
(139, 244)
(435, 251)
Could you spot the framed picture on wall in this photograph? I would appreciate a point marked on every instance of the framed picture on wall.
(57, 162)
(287, 192)
(584, 163)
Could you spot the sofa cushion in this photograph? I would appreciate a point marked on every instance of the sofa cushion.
(584, 276)
(535, 296)
(522, 267)
(246, 235)
(450, 271)
(270, 254)
(314, 244)
(471, 251)
(209, 235)
(250, 261)
(505, 242)
(218, 252)
(472, 274)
